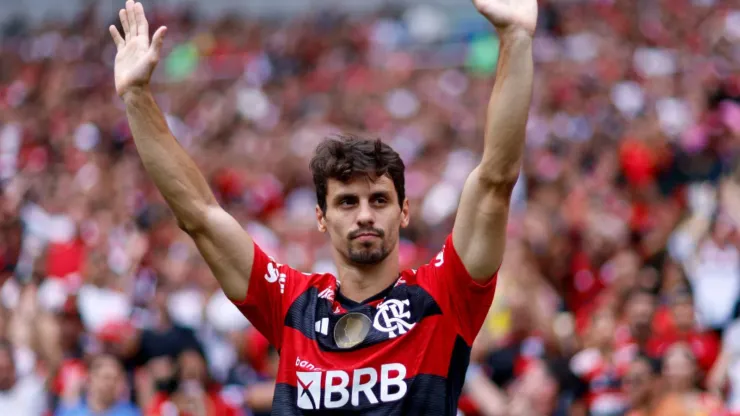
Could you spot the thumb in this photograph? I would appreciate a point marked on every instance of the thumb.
(158, 40)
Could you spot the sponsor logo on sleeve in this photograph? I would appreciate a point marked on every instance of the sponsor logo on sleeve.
(440, 259)
(273, 275)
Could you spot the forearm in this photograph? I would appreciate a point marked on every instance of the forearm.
(508, 108)
(491, 401)
(172, 170)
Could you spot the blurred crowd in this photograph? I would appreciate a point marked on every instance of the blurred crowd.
(620, 287)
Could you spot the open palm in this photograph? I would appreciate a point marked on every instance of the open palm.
(136, 57)
(506, 14)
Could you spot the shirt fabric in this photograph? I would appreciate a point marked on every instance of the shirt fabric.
(412, 360)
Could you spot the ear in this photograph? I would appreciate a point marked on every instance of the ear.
(320, 219)
(405, 215)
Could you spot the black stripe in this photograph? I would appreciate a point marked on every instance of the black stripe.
(309, 309)
(456, 372)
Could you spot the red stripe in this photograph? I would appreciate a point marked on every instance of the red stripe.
(426, 349)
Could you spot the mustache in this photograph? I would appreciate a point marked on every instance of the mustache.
(377, 231)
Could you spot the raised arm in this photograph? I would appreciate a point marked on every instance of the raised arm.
(479, 233)
(222, 241)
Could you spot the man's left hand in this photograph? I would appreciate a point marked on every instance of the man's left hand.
(510, 15)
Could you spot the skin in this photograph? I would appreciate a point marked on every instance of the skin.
(637, 384)
(369, 263)
(105, 377)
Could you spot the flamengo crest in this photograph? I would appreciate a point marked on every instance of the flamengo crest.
(391, 317)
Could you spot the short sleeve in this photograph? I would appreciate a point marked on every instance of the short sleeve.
(460, 297)
(273, 287)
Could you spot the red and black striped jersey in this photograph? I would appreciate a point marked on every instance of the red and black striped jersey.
(415, 350)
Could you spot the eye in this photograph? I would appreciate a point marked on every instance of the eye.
(380, 200)
(347, 202)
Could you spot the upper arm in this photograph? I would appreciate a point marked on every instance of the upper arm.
(463, 300)
(259, 286)
(479, 233)
(228, 250)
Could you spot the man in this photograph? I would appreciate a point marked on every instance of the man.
(597, 371)
(190, 390)
(639, 385)
(104, 391)
(412, 330)
(704, 344)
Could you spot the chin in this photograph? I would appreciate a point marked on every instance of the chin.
(367, 257)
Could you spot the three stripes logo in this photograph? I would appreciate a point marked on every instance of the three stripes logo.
(322, 326)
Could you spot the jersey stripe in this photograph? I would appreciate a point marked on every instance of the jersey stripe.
(309, 308)
(429, 349)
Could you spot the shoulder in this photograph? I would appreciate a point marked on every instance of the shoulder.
(78, 409)
(128, 409)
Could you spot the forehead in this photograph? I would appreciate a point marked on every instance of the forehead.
(360, 186)
(104, 364)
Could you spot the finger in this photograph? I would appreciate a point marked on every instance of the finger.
(143, 28)
(131, 15)
(117, 39)
(158, 40)
(124, 22)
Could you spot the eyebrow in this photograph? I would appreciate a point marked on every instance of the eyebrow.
(384, 194)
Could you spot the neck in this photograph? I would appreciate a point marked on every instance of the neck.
(360, 282)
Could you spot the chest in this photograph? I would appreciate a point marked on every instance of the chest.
(404, 331)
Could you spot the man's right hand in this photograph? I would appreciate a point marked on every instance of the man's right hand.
(136, 57)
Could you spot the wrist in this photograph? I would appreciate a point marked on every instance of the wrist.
(514, 33)
(132, 93)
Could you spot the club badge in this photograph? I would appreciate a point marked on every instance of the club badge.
(351, 330)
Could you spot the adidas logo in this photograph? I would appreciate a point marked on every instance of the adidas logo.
(322, 326)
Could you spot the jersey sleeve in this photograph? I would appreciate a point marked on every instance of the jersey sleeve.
(273, 287)
(460, 297)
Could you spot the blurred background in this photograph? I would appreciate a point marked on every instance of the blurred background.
(620, 287)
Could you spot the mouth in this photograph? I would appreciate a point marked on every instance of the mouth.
(366, 236)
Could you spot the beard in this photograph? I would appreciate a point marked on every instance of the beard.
(367, 254)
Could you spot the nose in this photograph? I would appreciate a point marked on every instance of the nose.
(365, 215)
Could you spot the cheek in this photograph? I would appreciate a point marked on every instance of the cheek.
(337, 228)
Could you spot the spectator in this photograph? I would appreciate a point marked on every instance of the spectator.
(189, 390)
(19, 396)
(681, 375)
(104, 393)
(599, 368)
(714, 274)
(162, 337)
(621, 221)
(704, 344)
(641, 385)
(638, 318)
(725, 375)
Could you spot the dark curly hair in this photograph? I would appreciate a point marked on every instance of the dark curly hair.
(344, 157)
